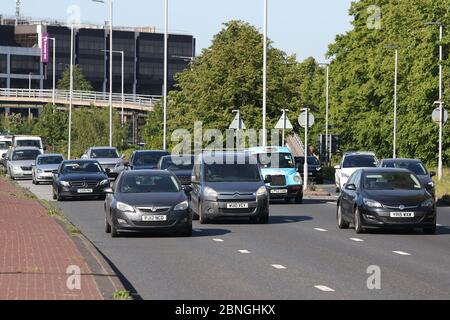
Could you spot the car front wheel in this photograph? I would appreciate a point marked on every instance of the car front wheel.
(107, 225)
(357, 221)
(342, 224)
(431, 230)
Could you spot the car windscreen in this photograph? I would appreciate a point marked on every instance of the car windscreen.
(359, 161)
(391, 181)
(5, 145)
(50, 160)
(177, 164)
(147, 158)
(416, 167)
(25, 155)
(232, 173)
(104, 154)
(80, 167)
(145, 183)
(312, 161)
(275, 160)
(28, 143)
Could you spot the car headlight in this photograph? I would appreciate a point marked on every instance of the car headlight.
(103, 182)
(39, 171)
(124, 207)
(210, 192)
(16, 168)
(262, 191)
(181, 206)
(428, 203)
(372, 203)
(65, 183)
(297, 178)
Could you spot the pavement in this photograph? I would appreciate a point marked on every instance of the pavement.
(300, 254)
(38, 256)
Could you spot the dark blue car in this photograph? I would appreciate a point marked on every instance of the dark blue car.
(146, 159)
(181, 166)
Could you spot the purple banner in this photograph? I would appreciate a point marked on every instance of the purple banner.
(45, 48)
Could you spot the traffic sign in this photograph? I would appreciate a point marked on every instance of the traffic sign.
(436, 115)
(280, 124)
(302, 119)
(237, 124)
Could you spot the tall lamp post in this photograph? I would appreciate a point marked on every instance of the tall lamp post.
(264, 142)
(70, 93)
(441, 102)
(166, 71)
(327, 155)
(110, 67)
(395, 48)
(123, 82)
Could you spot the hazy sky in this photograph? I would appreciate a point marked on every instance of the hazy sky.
(303, 27)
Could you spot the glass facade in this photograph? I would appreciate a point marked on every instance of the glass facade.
(3, 83)
(3, 63)
(25, 64)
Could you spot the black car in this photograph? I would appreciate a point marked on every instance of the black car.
(314, 168)
(146, 159)
(181, 166)
(80, 179)
(415, 166)
(386, 198)
(147, 200)
(229, 185)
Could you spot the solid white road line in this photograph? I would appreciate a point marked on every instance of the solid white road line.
(320, 229)
(402, 253)
(244, 251)
(357, 239)
(279, 266)
(218, 240)
(324, 288)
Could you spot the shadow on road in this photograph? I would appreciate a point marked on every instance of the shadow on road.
(440, 231)
(272, 220)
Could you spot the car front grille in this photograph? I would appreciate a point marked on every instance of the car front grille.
(25, 168)
(403, 220)
(84, 184)
(278, 181)
(155, 210)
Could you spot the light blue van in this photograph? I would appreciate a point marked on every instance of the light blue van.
(278, 163)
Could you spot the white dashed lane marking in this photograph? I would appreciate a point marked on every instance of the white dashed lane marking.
(279, 266)
(320, 229)
(324, 288)
(218, 240)
(357, 239)
(402, 253)
(244, 251)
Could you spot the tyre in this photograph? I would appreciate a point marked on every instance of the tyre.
(342, 224)
(37, 183)
(187, 232)
(33, 181)
(114, 232)
(202, 217)
(299, 200)
(59, 197)
(338, 190)
(287, 200)
(431, 230)
(107, 225)
(264, 218)
(54, 195)
(357, 221)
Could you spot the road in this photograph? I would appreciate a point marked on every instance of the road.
(300, 254)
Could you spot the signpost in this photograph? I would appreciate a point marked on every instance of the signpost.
(238, 125)
(306, 120)
(284, 124)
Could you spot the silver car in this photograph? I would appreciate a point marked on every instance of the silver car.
(20, 162)
(46, 165)
(109, 159)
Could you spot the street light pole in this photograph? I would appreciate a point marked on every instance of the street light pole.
(264, 142)
(395, 98)
(54, 70)
(284, 125)
(166, 46)
(327, 155)
(441, 101)
(70, 93)
(305, 165)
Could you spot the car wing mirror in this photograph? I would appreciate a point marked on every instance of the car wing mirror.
(108, 190)
(187, 189)
(108, 170)
(432, 174)
(337, 167)
(350, 187)
(268, 179)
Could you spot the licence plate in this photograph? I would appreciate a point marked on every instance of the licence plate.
(153, 218)
(85, 191)
(402, 214)
(237, 205)
(279, 191)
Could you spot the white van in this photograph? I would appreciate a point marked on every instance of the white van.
(5, 144)
(28, 141)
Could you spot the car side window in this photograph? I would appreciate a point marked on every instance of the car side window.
(357, 179)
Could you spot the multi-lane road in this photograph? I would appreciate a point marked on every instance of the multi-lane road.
(300, 254)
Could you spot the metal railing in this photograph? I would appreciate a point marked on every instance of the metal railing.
(130, 101)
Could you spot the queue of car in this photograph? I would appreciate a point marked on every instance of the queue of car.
(159, 191)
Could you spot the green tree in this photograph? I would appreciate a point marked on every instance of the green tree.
(362, 83)
(52, 127)
(228, 75)
(79, 81)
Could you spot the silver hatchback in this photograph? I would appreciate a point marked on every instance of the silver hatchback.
(46, 165)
